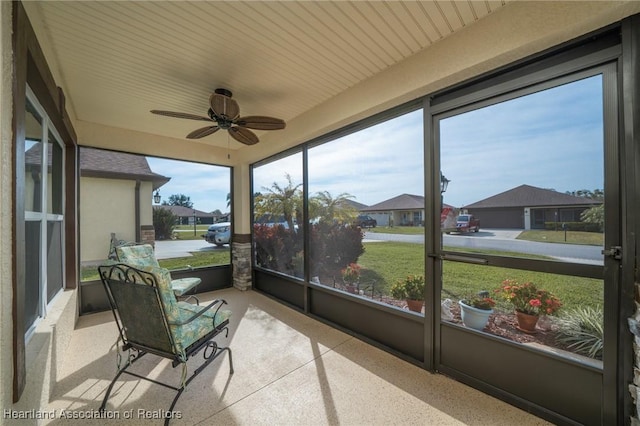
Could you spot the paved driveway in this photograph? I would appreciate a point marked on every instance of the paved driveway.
(177, 248)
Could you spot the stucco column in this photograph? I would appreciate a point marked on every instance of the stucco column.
(241, 246)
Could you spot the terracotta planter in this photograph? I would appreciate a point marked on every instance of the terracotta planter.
(351, 287)
(474, 317)
(415, 305)
(526, 322)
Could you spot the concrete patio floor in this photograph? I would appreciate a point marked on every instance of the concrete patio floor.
(289, 370)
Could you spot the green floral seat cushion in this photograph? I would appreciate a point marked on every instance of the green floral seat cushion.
(183, 285)
(138, 255)
(197, 328)
(183, 335)
(142, 255)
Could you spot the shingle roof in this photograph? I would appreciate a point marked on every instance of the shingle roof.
(356, 205)
(401, 202)
(183, 211)
(530, 196)
(112, 164)
(106, 164)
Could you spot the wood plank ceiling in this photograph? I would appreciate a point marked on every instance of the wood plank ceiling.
(118, 60)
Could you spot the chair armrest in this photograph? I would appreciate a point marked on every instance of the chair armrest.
(201, 312)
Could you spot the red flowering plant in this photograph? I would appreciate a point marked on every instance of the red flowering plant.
(527, 298)
(351, 273)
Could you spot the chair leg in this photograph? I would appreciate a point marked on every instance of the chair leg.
(118, 374)
(208, 360)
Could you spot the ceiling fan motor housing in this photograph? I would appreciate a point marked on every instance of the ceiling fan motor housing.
(223, 122)
(225, 92)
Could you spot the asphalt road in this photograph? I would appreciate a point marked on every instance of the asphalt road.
(490, 239)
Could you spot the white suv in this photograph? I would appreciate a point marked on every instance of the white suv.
(218, 234)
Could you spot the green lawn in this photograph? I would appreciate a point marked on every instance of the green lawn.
(186, 235)
(185, 232)
(387, 262)
(199, 228)
(218, 257)
(572, 237)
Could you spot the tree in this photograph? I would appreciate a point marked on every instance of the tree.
(280, 200)
(327, 208)
(164, 223)
(178, 200)
(594, 215)
(596, 194)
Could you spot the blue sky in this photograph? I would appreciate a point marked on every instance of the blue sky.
(552, 139)
(206, 185)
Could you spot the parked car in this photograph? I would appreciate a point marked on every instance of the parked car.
(218, 234)
(366, 221)
(467, 223)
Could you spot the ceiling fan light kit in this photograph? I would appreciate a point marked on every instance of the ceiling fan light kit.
(225, 113)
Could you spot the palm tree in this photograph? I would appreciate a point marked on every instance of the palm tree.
(328, 208)
(280, 200)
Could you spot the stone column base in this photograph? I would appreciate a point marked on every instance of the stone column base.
(241, 261)
(148, 235)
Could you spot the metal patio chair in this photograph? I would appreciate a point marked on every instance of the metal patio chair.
(151, 321)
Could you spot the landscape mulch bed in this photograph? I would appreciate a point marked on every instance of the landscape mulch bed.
(504, 325)
(500, 324)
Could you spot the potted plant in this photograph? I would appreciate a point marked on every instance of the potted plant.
(529, 303)
(351, 277)
(410, 289)
(475, 310)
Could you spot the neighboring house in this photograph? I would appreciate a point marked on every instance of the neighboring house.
(404, 210)
(186, 214)
(116, 194)
(528, 207)
(356, 205)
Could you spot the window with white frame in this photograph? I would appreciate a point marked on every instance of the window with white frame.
(43, 212)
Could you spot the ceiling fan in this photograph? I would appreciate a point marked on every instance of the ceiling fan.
(225, 113)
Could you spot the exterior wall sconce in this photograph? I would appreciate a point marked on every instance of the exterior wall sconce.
(444, 183)
(156, 197)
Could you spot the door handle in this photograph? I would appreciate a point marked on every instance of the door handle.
(615, 252)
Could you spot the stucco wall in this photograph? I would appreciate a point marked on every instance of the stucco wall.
(6, 184)
(45, 354)
(108, 205)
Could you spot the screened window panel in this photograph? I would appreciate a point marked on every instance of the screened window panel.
(531, 163)
(33, 160)
(278, 215)
(54, 259)
(32, 272)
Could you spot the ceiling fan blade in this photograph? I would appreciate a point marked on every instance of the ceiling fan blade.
(181, 115)
(243, 135)
(224, 106)
(260, 122)
(201, 133)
